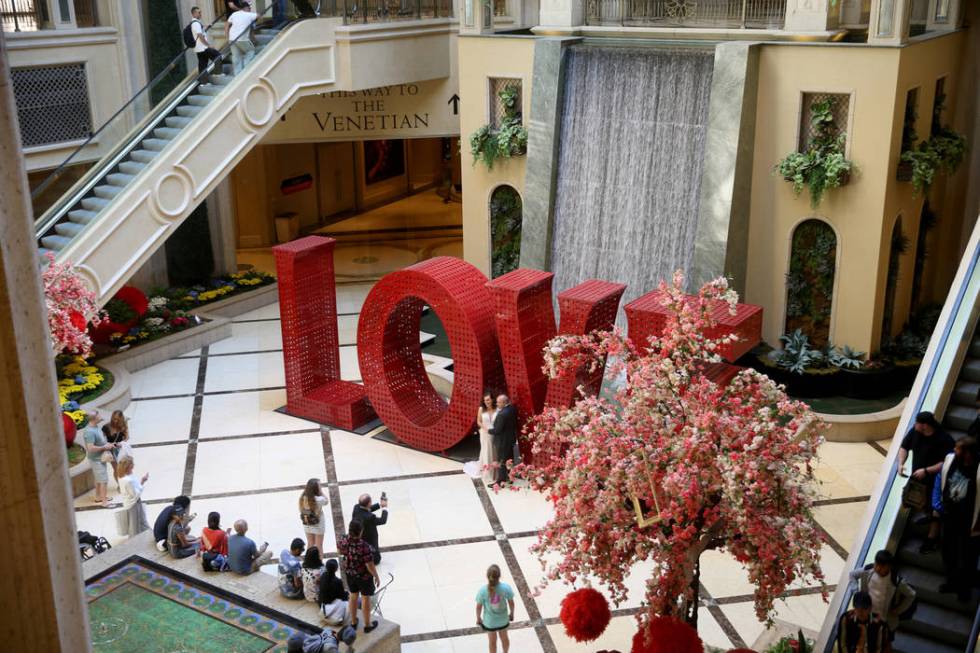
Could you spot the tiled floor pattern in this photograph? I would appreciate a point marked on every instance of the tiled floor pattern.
(204, 424)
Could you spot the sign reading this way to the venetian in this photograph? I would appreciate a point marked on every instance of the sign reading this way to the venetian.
(422, 109)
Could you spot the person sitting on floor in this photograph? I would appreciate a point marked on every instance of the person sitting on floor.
(162, 524)
(332, 595)
(180, 543)
(243, 556)
(290, 570)
(312, 570)
(859, 631)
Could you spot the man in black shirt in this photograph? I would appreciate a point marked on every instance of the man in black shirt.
(929, 444)
(504, 434)
(364, 513)
(162, 523)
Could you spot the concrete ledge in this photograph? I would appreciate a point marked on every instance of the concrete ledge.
(259, 587)
(81, 478)
(866, 427)
(171, 346)
(241, 303)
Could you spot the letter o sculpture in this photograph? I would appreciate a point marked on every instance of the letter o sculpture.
(390, 355)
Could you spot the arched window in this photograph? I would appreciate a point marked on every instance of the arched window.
(506, 215)
(899, 245)
(810, 280)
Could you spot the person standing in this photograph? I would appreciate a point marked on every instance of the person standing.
(928, 443)
(312, 570)
(495, 608)
(116, 432)
(890, 595)
(311, 504)
(955, 498)
(362, 575)
(860, 631)
(202, 47)
(99, 452)
(237, 29)
(364, 513)
(504, 432)
(484, 419)
(243, 556)
(135, 521)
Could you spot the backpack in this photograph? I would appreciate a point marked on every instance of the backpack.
(87, 541)
(188, 34)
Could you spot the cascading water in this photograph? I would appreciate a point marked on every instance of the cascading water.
(633, 131)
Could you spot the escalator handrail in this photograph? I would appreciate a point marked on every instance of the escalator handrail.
(138, 94)
(893, 469)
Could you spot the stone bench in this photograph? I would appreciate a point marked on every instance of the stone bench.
(261, 588)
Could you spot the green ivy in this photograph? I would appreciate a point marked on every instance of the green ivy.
(505, 230)
(823, 165)
(810, 280)
(488, 144)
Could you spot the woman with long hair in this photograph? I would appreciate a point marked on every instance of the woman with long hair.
(495, 609)
(484, 419)
(311, 504)
(332, 595)
(133, 522)
(312, 569)
(116, 432)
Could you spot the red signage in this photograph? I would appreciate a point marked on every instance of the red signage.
(496, 329)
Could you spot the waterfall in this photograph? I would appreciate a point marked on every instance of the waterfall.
(633, 131)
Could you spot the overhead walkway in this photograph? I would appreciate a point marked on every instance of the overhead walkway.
(947, 385)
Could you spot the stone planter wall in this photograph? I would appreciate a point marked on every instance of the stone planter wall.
(81, 478)
(866, 427)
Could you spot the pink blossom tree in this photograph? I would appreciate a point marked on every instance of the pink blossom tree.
(710, 466)
(71, 307)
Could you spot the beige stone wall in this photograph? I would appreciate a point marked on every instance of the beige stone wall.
(481, 58)
(862, 213)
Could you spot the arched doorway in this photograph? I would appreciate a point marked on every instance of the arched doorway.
(810, 280)
(899, 245)
(506, 216)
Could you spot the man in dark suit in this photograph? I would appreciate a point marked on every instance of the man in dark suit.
(364, 513)
(504, 434)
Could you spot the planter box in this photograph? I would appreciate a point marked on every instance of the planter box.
(904, 171)
(81, 477)
(241, 303)
(810, 385)
(171, 346)
(870, 384)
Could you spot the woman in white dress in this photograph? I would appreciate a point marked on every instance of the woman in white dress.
(132, 521)
(484, 418)
(311, 504)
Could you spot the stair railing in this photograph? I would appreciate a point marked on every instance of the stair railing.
(944, 357)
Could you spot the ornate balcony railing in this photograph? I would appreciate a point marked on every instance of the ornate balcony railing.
(755, 14)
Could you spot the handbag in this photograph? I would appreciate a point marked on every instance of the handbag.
(106, 457)
(915, 495)
(125, 450)
(308, 517)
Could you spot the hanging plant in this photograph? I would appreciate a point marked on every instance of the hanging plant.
(509, 139)
(822, 165)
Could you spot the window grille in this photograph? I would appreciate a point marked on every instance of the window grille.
(497, 109)
(840, 105)
(52, 104)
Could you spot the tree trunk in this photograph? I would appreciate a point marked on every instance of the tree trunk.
(691, 609)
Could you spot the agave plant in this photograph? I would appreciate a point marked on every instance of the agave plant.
(797, 354)
(845, 357)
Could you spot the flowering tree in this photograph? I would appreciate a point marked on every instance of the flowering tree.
(710, 466)
(71, 307)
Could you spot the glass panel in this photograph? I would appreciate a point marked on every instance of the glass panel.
(468, 12)
(942, 11)
(64, 11)
(886, 18)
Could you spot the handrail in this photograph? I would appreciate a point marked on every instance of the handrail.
(57, 172)
(147, 124)
(956, 308)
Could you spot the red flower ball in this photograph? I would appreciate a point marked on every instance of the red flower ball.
(77, 320)
(585, 614)
(666, 635)
(69, 429)
(741, 650)
(135, 298)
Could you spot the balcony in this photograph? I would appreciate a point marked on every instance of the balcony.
(34, 15)
(726, 14)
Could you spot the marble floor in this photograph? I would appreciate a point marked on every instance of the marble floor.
(386, 238)
(204, 424)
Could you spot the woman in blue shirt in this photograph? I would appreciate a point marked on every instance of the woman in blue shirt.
(495, 608)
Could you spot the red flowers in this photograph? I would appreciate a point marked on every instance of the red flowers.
(666, 635)
(585, 614)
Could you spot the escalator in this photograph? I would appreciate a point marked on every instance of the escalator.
(167, 153)
(947, 385)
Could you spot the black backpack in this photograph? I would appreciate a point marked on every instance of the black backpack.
(188, 34)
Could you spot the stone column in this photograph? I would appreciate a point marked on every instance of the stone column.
(40, 575)
(221, 220)
(562, 13)
(889, 22)
(811, 15)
